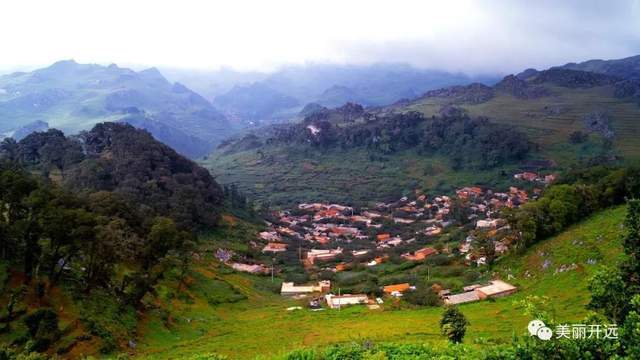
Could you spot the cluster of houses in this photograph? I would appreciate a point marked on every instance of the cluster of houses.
(320, 228)
(494, 289)
(323, 236)
(534, 177)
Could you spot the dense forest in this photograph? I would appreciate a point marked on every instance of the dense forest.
(99, 243)
(124, 161)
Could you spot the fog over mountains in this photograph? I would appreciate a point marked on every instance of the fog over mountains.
(73, 97)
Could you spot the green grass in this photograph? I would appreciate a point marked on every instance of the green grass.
(261, 327)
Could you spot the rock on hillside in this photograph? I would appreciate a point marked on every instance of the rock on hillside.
(519, 88)
(573, 78)
(475, 93)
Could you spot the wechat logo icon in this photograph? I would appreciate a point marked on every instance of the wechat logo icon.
(539, 329)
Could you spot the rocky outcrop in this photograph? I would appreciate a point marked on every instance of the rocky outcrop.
(519, 88)
(474, 93)
(573, 78)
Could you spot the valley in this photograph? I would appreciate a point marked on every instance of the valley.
(344, 228)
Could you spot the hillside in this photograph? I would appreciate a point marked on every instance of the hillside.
(569, 117)
(551, 105)
(627, 68)
(91, 225)
(242, 326)
(386, 153)
(74, 97)
(119, 159)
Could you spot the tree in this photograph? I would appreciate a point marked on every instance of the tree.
(453, 324)
(630, 331)
(631, 243)
(487, 247)
(612, 290)
(608, 293)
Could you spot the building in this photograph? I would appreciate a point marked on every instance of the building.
(462, 298)
(269, 236)
(275, 247)
(489, 223)
(496, 288)
(316, 254)
(527, 176)
(289, 288)
(254, 269)
(397, 289)
(337, 301)
(383, 237)
(421, 254)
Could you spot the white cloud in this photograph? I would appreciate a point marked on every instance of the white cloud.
(454, 35)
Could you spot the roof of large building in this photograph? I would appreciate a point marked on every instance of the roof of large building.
(461, 298)
(496, 287)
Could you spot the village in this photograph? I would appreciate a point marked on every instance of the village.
(329, 241)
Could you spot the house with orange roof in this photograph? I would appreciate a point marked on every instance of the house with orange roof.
(396, 289)
(421, 254)
(383, 237)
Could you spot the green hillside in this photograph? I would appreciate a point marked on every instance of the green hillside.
(234, 314)
(550, 120)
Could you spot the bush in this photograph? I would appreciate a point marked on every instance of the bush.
(422, 296)
(43, 328)
(440, 260)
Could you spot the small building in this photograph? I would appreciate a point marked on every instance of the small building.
(319, 254)
(397, 289)
(253, 269)
(275, 247)
(269, 236)
(383, 237)
(357, 253)
(337, 301)
(421, 254)
(496, 288)
(289, 288)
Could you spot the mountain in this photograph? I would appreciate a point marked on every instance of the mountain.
(567, 116)
(627, 68)
(73, 97)
(337, 95)
(280, 95)
(254, 102)
(27, 129)
(128, 162)
(213, 83)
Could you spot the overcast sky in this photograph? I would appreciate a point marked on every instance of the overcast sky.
(469, 36)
